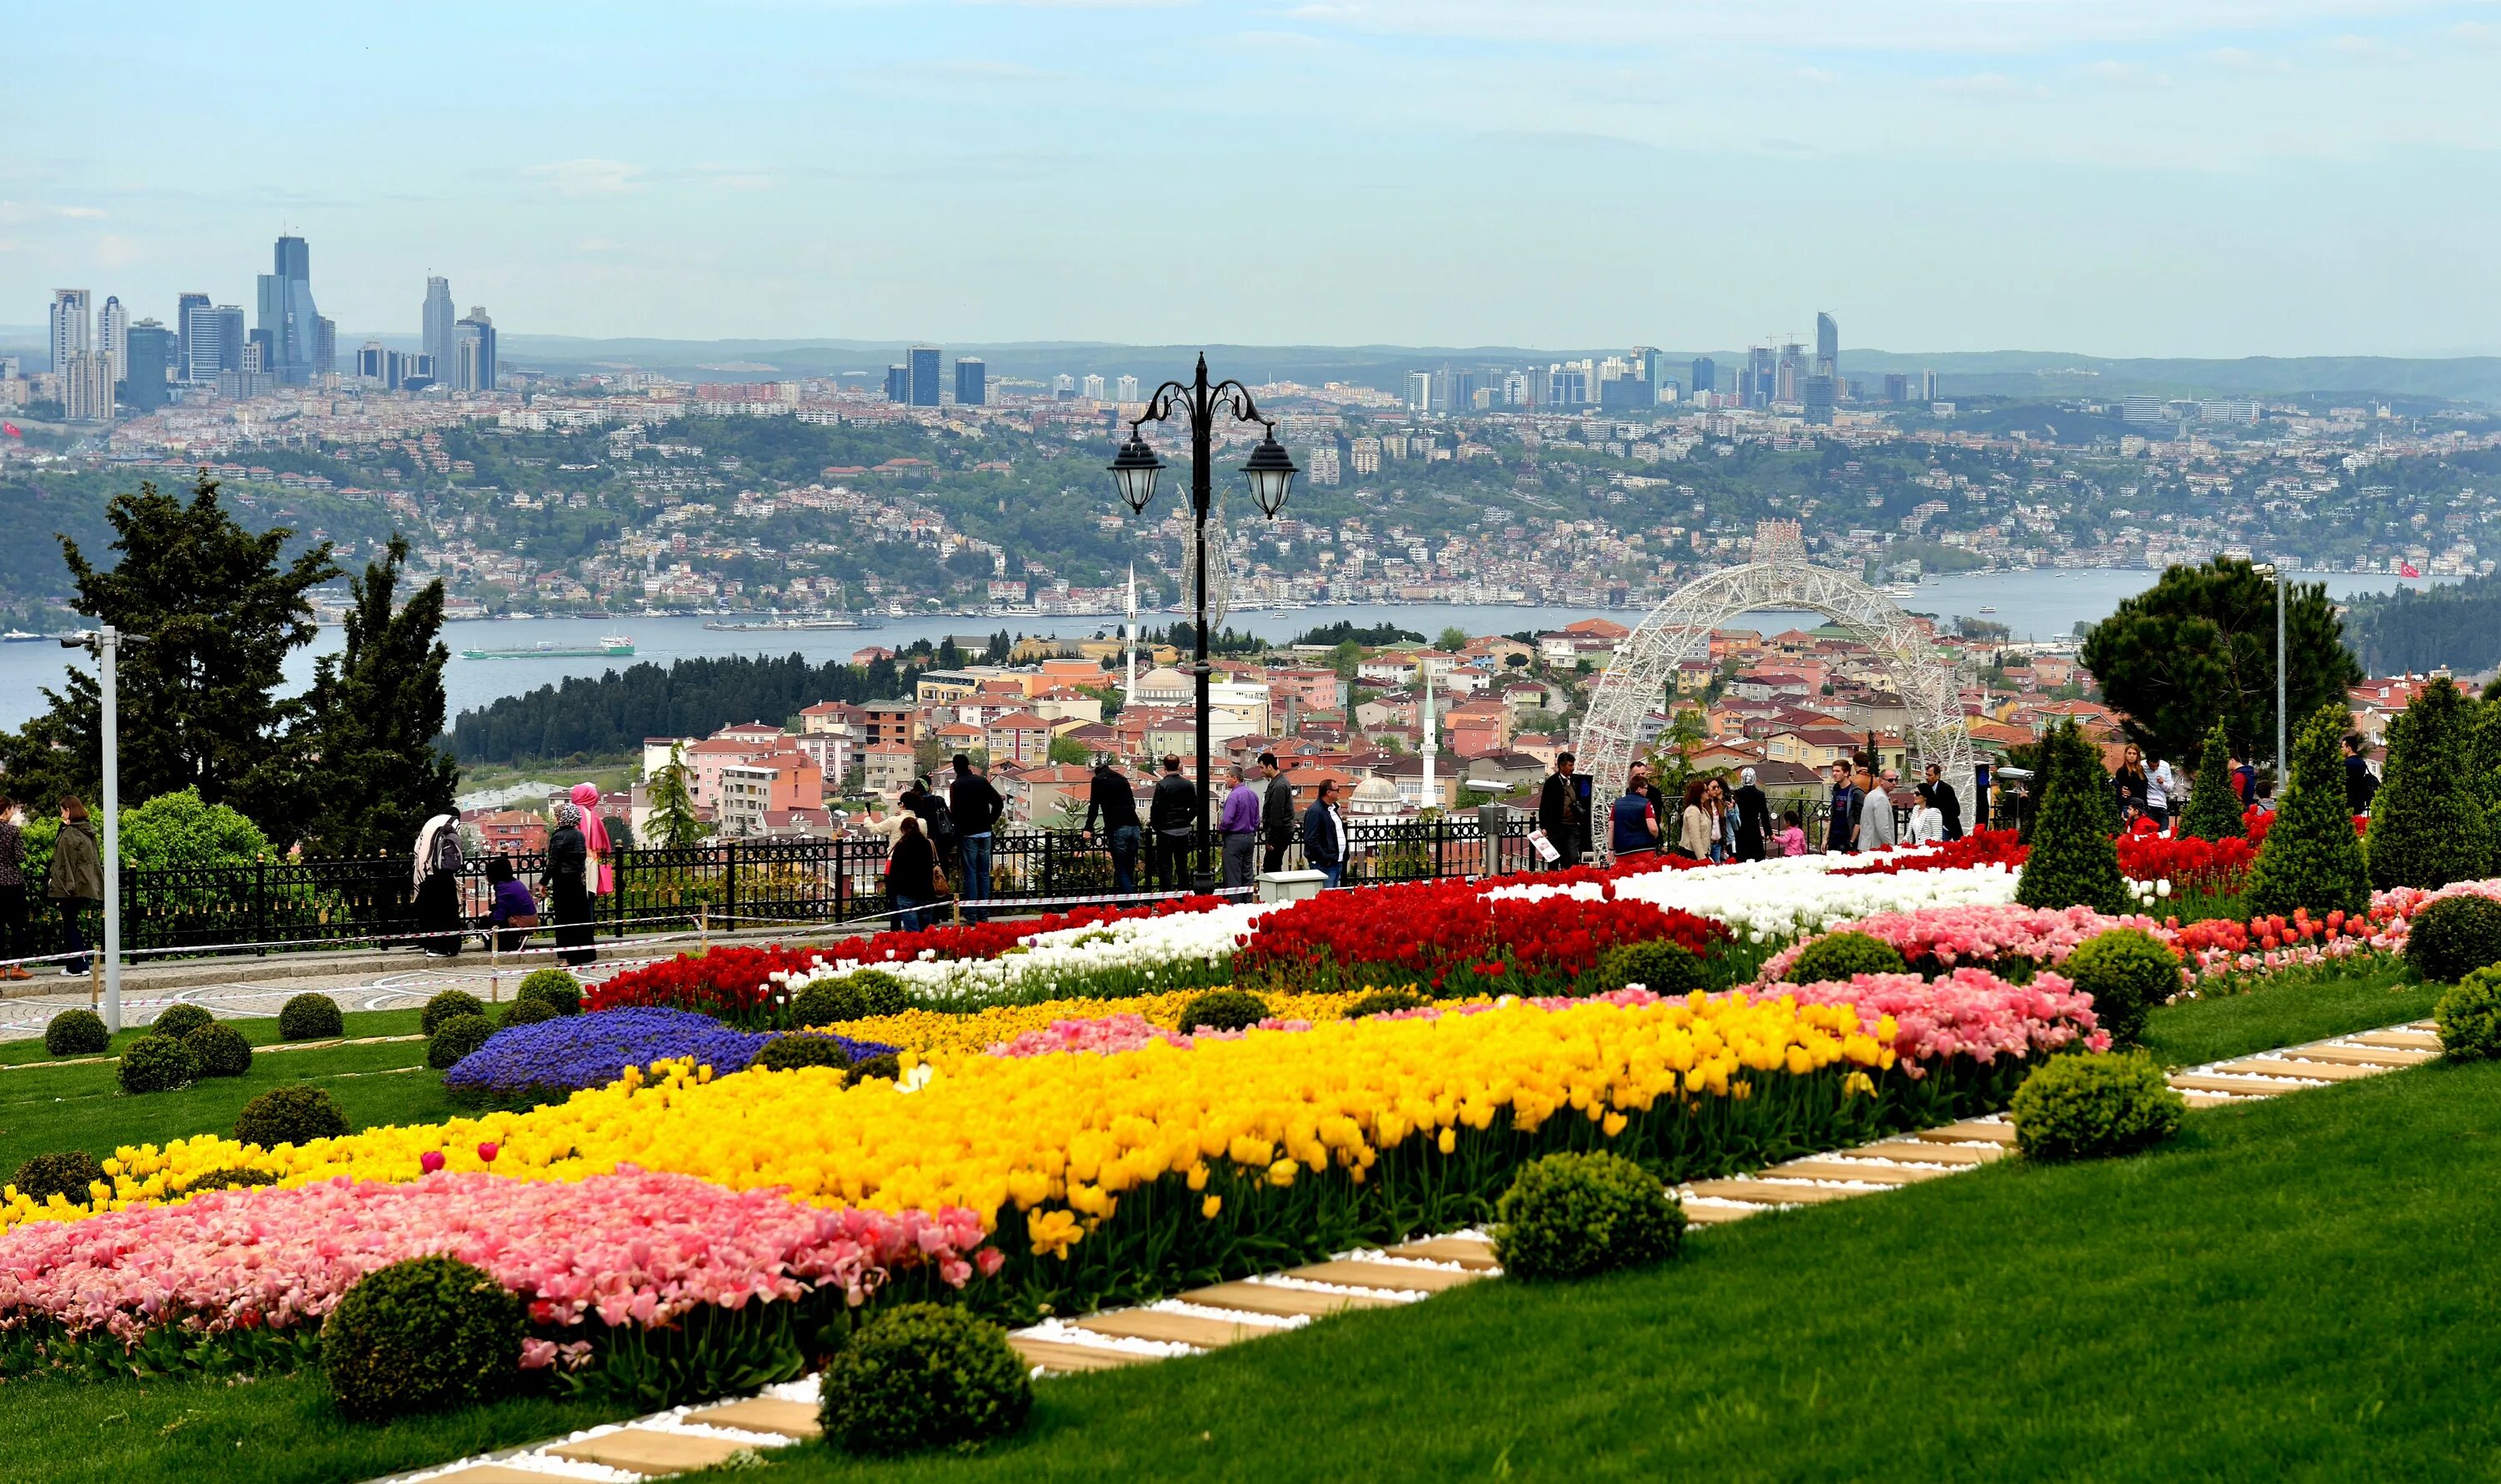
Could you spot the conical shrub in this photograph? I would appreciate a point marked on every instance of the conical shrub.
(2311, 858)
(2214, 811)
(2074, 860)
(2427, 822)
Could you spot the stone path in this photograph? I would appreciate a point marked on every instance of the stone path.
(23, 1017)
(1204, 1319)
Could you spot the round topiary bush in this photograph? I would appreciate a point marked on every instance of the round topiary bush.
(1659, 966)
(289, 1115)
(2084, 1106)
(1571, 1215)
(456, 1037)
(885, 1064)
(76, 1033)
(2453, 937)
(884, 994)
(2468, 1016)
(156, 1063)
(446, 1005)
(552, 986)
(1384, 1002)
(228, 1179)
(1222, 1010)
(179, 1021)
(829, 1002)
(311, 1018)
(222, 1049)
(924, 1376)
(67, 1174)
(425, 1335)
(527, 1012)
(2127, 971)
(783, 1053)
(1841, 956)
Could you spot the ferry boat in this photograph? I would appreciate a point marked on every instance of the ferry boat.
(614, 645)
(790, 625)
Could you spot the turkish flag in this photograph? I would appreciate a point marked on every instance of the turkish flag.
(2407, 569)
(10, 429)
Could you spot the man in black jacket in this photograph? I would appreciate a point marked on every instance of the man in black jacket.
(1172, 815)
(1324, 835)
(1113, 804)
(977, 807)
(2359, 785)
(1940, 796)
(1843, 832)
(1276, 823)
(1562, 813)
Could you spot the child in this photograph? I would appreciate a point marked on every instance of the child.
(513, 911)
(1793, 834)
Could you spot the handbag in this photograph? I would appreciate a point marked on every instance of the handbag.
(522, 921)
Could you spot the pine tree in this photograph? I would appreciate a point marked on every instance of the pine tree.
(2483, 766)
(673, 821)
(2311, 858)
(373, 774)
(2428, 825)
(2213, 810)
(2074, 860)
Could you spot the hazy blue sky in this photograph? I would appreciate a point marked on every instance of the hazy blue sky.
(2121, 176)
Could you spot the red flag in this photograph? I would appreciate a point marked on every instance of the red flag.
(10, 429)
(2407, 569)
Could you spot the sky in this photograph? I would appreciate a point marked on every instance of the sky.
(2116, 177)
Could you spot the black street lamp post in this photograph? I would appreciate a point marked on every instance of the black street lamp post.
(1270, 473)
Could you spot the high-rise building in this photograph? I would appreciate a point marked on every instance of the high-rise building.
(473, 352)
(86, 388)
(972, 381)
(1125, 390)
(1094, 389)
(1828, 347)
(435, 321)
(1792, 371)
(1817, 395)
(183, 304)
(1627, 392)
(1897, 387)
(1928, 385)
(325, 346)
(1568, 386)
(1420, 390)
(1761, 366)
(289, 324)
(1705, 374)
(898, 382)
(923, 361)
(213, 341)
(1462, 387)
(148, 347)
(73, 329)
(112, 335)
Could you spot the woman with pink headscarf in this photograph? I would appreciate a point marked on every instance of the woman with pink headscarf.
(594, 834)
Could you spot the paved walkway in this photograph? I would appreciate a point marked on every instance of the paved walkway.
(369, 987)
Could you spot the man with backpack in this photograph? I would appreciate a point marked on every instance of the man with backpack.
(977, 807)
(1278, 824)
(1172, 814)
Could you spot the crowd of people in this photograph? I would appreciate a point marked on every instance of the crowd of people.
(1719, 817)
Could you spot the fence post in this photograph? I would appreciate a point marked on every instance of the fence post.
(729, 882)
(260, 902)
(1049, 863)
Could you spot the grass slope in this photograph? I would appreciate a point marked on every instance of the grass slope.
(2301, 1288)
(2200, 1031)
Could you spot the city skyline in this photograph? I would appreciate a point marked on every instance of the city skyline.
(2124, 179)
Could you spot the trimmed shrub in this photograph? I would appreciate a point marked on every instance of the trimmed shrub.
(2310, 857)
(67, 1174)
(425, 1335)
(2427, 822)
(444, 1006)
(76, 1033)
(1222, 1010)
(156, 1063)
(1841, 956)
(2074, 860)
(455, 1038)
(526, 1012)
(231, 1179)
(222, 1049)
(2127, 971)
(2214, 811)
(1658, 966)
(2083, 1108)
(179, 1021)
(289, 1115)
(887, 1065)
(783, 1053)
(856, 995)
(1574, 1215)
(1383, 1002)
(554, 988)
(2470, 1017)
(311, 1018)
(924, 1376)
(2453, 937)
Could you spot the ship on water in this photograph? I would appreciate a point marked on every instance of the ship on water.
(791, 626)
(615, 645)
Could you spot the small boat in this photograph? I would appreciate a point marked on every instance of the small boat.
(21, 636)
(1985, 608)
(615, 645)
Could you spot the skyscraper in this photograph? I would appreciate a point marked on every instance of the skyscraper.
(1792, 371)
(1760, 364)
(1828, 347)
(1706, 375)
(73, 330)
(1817, 395)
(325, 346)
(1125, 390)
(434, 322)
(213, 341)
(148, 346)
(1928, 385)
(898, 382)
(112, 335)
(1095, 388)
(473, 352)
(183, 304)
(923, 361)
(972, 381)
(291, 326)
(1420, 390)
(1897, 387)
(86, 388)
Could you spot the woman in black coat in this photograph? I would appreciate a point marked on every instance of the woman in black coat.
(912, 877)
(568, 857)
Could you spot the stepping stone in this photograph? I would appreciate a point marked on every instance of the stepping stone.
(1931, 1154)
(1968, 1133)
(1717, 1215)
(1770, 1192)
(2212, 1101)
(763, 1414)
(1061, 1356)
(643, 1450)
(2242, 1088)
(1862, 1170)
(2407, 1040)
(1390, 1275)
(2361, 1056)
(494, 1473)
(2430, 1026)
(1277, 1300)
(1183, 1328)
(2308, 1071)
(1467, 1251)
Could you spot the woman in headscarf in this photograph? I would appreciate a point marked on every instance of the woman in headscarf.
(1754, 817)
(568, 856)
(438, 887)
(601, 877)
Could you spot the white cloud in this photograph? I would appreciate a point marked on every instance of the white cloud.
(40, 211)
(2127, 75)
(2235, 60)
(1989, 85)
(114, 251)
(2475, 33)
(2372, 50)
(1815, 75)
(588, 177)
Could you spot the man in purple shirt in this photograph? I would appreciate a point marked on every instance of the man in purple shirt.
(1239, 826)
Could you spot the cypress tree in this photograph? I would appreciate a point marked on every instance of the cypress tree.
(2483, 766)
(2427, 822)
(2074, 860)
(2213, 810)
(2311, 858)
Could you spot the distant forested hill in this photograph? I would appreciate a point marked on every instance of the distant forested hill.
(2457, 624)
(610, 714)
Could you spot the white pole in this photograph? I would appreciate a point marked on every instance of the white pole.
(1432, 798)
(110, 645)
(2279, 683)
(1129, 631)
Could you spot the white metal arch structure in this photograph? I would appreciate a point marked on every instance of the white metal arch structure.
(1779, 577)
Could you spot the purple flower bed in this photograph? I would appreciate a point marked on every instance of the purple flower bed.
(554, 1059)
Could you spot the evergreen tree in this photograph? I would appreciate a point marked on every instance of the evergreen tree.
(2213, 810)
(673, 821)
(2311, 858)
(2428, 825)
(372, 773)
(2074, 860)
(2484, 765)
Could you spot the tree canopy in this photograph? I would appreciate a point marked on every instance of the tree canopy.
(373, 772)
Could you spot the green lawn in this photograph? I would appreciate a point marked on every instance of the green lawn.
(2302, 1288)
(2200, 1031)
(260, 1030)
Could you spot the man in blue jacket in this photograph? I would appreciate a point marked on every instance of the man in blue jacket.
(1324, 835)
